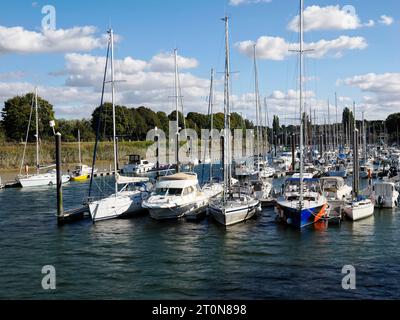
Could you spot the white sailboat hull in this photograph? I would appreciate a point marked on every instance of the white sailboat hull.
(115, 206)
(234, 211)
(39, 180)
(359, 210)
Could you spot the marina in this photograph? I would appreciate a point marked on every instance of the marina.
(165, 178)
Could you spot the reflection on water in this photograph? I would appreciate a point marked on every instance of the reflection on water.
(139, 258)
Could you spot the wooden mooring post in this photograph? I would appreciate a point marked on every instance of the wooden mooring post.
(64, 217)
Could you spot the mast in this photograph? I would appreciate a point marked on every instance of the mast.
(364, 139)
(211, 107)
(301, 52)
(37, 131)
(355, 155)
(256, 94)
(227, 160)
(113, 107)
(336, 123)
(79, 147)
(176, 109)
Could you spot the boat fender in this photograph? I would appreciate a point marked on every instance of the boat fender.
(380, 200)
(289, 221)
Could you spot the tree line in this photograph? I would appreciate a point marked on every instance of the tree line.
(131, 123)
(134, 123)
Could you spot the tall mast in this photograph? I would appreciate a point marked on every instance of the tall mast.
(336, 123)
(79, 147)
(227, 142)
(301, 52)
(211, 107)
(113, 107)
(256, 94)
(364, 139)
(37, 131)
(329, 126)
(355, 154)
(176, 109)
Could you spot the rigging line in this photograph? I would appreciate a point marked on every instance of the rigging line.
(99, 121)
(27, 134)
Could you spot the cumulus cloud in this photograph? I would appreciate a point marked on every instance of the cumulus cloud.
(386, 20)
(165, 62)
(276, 48)
(20, 40)
(329, 18)
(381, 92)
(240, 2)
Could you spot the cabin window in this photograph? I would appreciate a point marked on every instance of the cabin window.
(161, 191)
(175, 191)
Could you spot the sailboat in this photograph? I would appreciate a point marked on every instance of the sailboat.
(302, 203)
(234, 206)
(82, 171)
(212, 188)
(39, 179)
(179, 194)
(134, 190)
(360, 207)
(262, 185)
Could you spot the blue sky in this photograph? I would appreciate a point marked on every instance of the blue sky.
(356, 54)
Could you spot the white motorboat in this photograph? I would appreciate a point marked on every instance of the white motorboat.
(176, 195)
(335, 189)
(136, 165)
(385, 195)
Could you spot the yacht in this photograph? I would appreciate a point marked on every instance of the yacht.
(129, 192)
(335, 188)
(175, 196)
(234, 206)
(38, 179)
(302, 202)
(136, 165)
(385, 195)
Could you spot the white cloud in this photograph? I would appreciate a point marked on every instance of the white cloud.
(276, 48)
(20, 40)
(329, 18)
(165, 62)
(382, 92)
(240, 2)
(386, 20)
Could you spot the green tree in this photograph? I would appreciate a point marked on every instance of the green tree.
(16, 113)
(164, 121)
(124, 123)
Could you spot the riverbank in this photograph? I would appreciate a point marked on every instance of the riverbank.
(11, 153)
